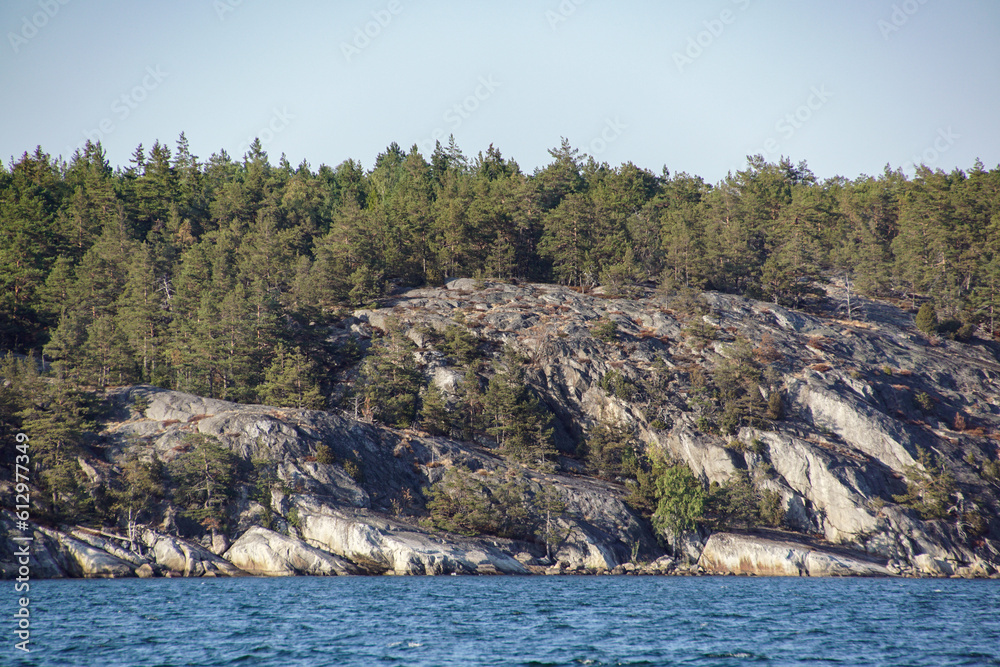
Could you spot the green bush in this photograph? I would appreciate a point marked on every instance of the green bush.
(680, 500)
(617, 385)
(324, 455)
(611, 450)
(464, 503)
(929, 487)
(924, 401)
(741, 503)
(956, 329)
(460, 344)
(926, 319)
(775, 406)
(354, 470)
(605, 330)
(965, 332)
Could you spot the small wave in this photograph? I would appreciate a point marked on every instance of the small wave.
(742, 655)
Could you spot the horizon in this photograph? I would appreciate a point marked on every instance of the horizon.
(471, 157)
(693, 88)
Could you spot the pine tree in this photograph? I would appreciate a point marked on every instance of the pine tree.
(53, 415)
(390, 382)
(567, 240)
(515, 417)
(926, 319)
(140, 489)
(141, 313)
(290, 381)
(434, 416)
(205, 477)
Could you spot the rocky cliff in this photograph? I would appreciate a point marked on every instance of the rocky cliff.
(870, 409)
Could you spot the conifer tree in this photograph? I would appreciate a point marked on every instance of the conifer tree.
(205, 477)
(290, 381)
(390, 381)
(515, 417)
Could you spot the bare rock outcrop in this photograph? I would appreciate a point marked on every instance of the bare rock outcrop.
(266, 553)
(728, 553)
(185, 558)
(386, 546)
(861, 401)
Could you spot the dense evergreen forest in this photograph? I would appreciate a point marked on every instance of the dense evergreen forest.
(210, 276)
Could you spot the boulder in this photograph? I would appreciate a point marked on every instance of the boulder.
(934, 567)
(88, 561)
(728, 553)
(264, 552)
(383, 545)
(183, 557)
(145, 571)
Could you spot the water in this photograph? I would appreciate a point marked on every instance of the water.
(536, 621)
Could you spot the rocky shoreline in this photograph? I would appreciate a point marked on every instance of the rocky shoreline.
(845, 450)
(87, 553)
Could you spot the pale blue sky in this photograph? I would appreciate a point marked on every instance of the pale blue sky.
(847, 86)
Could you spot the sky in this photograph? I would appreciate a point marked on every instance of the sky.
(847, 86)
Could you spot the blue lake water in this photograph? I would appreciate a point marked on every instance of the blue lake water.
(443, 621)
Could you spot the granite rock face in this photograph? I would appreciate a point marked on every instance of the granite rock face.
(266, 553)
(861, 398)
(726, 553)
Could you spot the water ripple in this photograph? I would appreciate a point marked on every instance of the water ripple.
(440, 622)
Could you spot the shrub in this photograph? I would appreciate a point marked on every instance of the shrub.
(617, 385)
(681, 500)
(611, 450)
(689, 302)
(991, 471)
(464, 504)
(956, 329)
(926, 319)
(324, 455)
(924, 401)
(960, 423)
(354, 470)
(775, 406)
(965, 332)
(740, 502)
(460, 344)
(766, 352)
(605, 330)
(771, 507)
(929, 487)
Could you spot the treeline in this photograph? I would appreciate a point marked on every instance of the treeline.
(207, 275)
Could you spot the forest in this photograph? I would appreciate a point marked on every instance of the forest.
(212, 276)
(219, 278)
